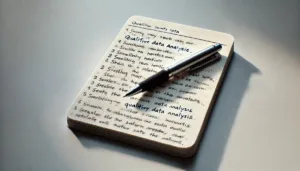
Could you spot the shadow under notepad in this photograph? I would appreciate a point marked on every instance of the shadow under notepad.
(216, 136)
(213, 143)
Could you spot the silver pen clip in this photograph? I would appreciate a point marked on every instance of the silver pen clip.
(205, 63)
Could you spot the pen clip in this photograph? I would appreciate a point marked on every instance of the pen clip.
(205, 63)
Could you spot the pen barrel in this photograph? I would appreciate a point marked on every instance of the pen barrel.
(155, 80)
(195, 58)
(207, 62)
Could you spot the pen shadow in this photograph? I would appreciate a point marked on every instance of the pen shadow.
(212, 146)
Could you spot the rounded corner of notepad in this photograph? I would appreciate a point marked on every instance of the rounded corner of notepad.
(72, 121)
(230, 37)
(70, 117)
(134, 17)
(189, 149)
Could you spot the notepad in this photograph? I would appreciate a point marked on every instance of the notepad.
(172, 117)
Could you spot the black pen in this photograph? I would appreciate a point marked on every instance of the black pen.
(203, 57)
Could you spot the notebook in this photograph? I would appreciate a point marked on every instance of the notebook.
(172, 117)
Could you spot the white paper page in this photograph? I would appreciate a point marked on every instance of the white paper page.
(172, 114)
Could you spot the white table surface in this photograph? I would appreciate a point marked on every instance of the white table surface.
(48, 49)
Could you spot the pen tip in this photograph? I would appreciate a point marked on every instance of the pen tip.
(134, 91)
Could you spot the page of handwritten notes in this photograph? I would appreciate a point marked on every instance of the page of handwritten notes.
(171, 114)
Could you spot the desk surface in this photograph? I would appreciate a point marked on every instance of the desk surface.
(48, 49)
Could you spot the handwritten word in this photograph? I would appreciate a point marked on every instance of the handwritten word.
(119, 52)
(178, 123)
(177, 129)
(102, 99)
(157, 130)
(136, 39)
(136, 32)
(107, 86)
(89, 112)
(172, 140)
(88, 117)
(123, 114)
(137, 106)
(157, 43)
(121, 126)
(180, 108)
(141, 24)
(160, 124)
(127, 49)
(157, 110)
(125, 59)
(95, 90)
(189, 99)
(179, 49)
(133, 44)
(160, 50)
(92, 106)
(104, 122)
(118, 71)
(161, 28)
(134, 124)
(107, 80)
(180, 115)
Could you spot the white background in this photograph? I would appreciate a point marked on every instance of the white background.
(48, 49)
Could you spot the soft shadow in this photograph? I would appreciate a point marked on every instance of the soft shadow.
(212, 147)
(211, 150)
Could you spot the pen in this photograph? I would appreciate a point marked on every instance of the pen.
(184, 65)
